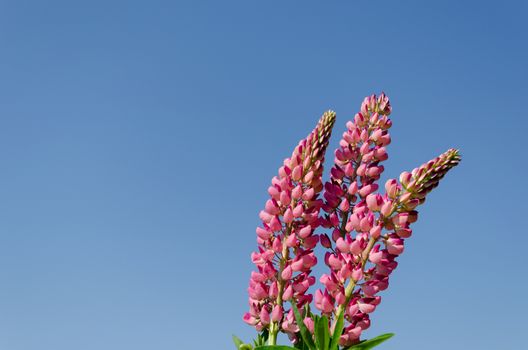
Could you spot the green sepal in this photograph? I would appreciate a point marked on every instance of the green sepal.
(305, 334)
(338, 329)
(274, 347)
(369, 344)
(322, 334)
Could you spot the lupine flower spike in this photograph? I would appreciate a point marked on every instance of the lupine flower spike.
(366, 231)
(286, 238)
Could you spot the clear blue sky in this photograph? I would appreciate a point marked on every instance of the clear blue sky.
(137, 140)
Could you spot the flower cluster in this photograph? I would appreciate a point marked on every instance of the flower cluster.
(353, 180)
(286, 238)
(366, 230)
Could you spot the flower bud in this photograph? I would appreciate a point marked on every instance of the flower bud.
(405, 178)
(325, 241)
(357, 273)
(285, 198)
(375, 254)
(392, 188)
(309, 323)
(374, 201)
(288, 216)
(288, 293)
(291, 241)
(297, 173)
(375, 231)
(344, 206)
(368, 189)
(262, 233)
(298, 210)
(305, 231)
(297, 192)
(386, 208)
(394, 245)
(342, 245)
(353, 188)
(264, 316)
(308, 194)
(286, 274)
(276, 313)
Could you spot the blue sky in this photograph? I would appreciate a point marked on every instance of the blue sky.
(137, 140)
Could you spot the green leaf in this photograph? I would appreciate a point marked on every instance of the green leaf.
(334, 344)
(369, 344)
(322, 334)
(299, 344)
(262, 338)
(274, 347)
(237, 341)
(316, 318)
(305, 334)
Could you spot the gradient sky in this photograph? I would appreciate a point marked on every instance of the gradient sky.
(137, 140)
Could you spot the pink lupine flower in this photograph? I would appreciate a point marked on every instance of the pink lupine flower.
(368, 228)
(323, 302)
(286, 238)
(277, 313)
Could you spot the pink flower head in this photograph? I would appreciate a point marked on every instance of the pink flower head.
(286, 238)
(368, 228)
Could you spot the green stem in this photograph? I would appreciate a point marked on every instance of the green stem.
(274, 330)
(352, 284)
(274, 326)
